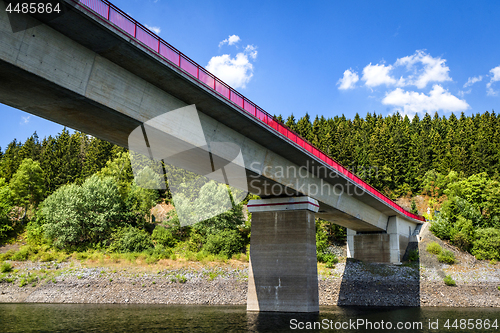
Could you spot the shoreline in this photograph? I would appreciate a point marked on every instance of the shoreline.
(348, 284)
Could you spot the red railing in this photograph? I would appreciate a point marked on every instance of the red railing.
(111, 14)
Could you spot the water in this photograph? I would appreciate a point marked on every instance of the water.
(182, 318)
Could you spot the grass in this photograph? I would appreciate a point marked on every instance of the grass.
(447, 257)
(212, 276)
(449, 281)
(6, 267)
(179, 278)
(434, 248)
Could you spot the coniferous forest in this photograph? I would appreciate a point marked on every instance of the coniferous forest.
(453, 161)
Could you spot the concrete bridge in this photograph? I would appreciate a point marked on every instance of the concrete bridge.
(97, 70)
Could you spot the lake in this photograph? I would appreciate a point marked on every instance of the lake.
(195, 318)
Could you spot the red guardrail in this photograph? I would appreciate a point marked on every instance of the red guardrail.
(111, 14)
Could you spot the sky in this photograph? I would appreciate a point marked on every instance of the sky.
(328, 57)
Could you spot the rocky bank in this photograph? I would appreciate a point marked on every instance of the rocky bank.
(177, 282)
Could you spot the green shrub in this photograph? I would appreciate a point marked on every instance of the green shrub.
(434, 248)
(163, 237)
(23, 282)
(462, 233)
(413, 255)
(47, 256)
(449, 281)
(7, 255)
(226, 242)
(130, 239)
(329, 259)
(487, 244)
(181, 278)
(23, 254)
(6, 268)
(493, 262)
(446, 257)
(35, 231)
(461, 241)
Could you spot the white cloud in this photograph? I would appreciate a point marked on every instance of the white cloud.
(472, 80)
(251, 51)
(231, 40)
(496, 77)
(462, 93)
(418, 69)
(156, 30)
(432, 69)
(348, 81)
(236, 71)
(411, 102)
(25, 120)
(375, 75)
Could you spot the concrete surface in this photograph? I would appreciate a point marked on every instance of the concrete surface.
(282, 273)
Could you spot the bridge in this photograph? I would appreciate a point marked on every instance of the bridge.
(97, 70)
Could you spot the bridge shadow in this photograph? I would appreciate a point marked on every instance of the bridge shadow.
(376, 284)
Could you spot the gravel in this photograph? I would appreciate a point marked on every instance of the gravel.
(348, 283)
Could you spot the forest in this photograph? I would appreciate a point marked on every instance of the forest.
(74, 193)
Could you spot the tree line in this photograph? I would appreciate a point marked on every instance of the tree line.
(403, 150)
(436, 156)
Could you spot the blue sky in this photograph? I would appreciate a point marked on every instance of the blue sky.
(329, 58)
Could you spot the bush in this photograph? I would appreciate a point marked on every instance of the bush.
(461, 241)
(329, 259)
(446, 257)
(82, 216)
(24, 253)
(462, 233)
(487, 244)
(130, 239)
(164, 237)
(6, 267)
(413, 255)
(226, 242)
(434, 248)
(35, 231)
(449, 281)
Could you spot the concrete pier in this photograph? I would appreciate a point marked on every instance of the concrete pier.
(283, 270)
(382, 247)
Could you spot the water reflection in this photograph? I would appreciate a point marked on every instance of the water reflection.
(182, 318)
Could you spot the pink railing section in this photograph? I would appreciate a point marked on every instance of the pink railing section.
(111, 14)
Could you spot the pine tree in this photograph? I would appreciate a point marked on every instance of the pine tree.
(413, 209)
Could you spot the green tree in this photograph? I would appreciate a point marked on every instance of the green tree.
(83, 216)
(413, 209)
(27, 184)
(5, 209)
(487, 244)
(121, 170)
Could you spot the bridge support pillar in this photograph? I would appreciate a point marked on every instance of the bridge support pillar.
(283, 274)
(382, 247)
